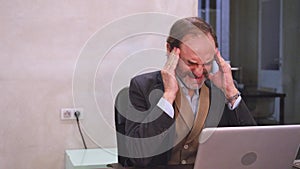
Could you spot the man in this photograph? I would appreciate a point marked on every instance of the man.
(169, 108)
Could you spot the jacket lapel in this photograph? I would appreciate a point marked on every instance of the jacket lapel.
(203, 109)
(184, 116)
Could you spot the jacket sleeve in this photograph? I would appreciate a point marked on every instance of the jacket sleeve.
(149, 130)
(240, 116)
(220, 115)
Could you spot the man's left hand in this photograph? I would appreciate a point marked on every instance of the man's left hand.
(223, 77)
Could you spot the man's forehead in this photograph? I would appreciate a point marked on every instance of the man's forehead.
(202, 45)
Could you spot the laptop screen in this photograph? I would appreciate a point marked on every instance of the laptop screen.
(253, 147)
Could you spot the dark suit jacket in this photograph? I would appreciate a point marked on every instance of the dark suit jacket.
(154, 129)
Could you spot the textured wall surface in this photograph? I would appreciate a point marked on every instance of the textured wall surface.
(40, 42)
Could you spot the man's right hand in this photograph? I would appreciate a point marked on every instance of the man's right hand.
(168, 75)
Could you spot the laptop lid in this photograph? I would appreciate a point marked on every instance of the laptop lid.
(255, 147)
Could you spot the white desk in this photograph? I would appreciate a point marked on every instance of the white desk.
(90, 158)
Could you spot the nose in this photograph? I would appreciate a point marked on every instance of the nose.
(197, 70)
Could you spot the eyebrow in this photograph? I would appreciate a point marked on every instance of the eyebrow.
(209, 61)
(195, 62)
(192, 62)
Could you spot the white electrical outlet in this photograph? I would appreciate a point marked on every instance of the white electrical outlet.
(69, 113)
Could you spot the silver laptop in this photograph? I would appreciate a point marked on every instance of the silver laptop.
(256, 147)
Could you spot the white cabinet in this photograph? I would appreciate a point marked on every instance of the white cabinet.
(90, 158)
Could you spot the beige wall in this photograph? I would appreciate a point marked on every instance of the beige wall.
(40, 43)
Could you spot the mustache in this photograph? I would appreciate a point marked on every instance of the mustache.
(192, 75)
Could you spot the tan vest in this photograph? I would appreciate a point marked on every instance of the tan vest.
(188, 128)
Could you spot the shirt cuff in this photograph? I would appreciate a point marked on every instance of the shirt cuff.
(236, 103)
(166, 107)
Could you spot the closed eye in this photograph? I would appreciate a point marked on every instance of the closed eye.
(208, 63)
(191, 63)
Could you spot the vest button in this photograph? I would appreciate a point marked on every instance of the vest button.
(186, 146)
(183, 162)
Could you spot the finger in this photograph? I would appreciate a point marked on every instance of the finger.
(175, 59)
(174, 54)
(172, 59)
(169, 61)
(174, 63)
(220, 61)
